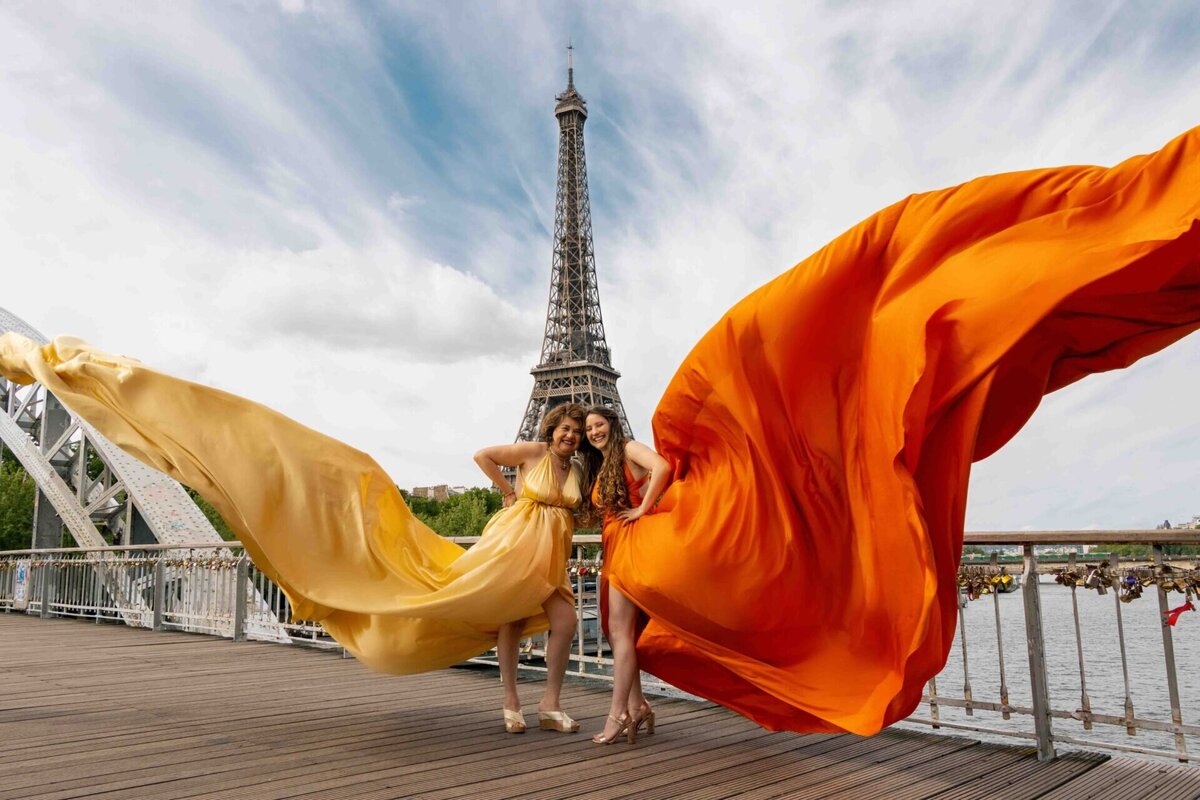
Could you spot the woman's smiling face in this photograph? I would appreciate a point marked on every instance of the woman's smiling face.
(597, 430)
(566, 437)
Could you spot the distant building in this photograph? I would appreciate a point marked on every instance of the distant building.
(439, 492)
(1059, 549)
(1186, 525)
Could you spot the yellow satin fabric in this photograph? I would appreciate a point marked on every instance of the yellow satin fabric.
(801, 569)
(322, 519)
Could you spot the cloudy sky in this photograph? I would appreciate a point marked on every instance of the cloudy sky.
(344, 210)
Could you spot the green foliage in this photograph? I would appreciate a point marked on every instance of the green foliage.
(590, 551)
(1145, 551)
(973, 550)
(16, 506)
(213, 515)
(460, 515)
(94, 465)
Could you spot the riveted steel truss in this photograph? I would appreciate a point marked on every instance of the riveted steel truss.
(91, 489)
(85, 482)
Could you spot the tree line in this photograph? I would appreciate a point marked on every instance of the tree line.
(460, 515)
(463, 514)
(16, 504)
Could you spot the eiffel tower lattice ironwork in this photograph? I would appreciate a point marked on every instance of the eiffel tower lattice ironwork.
(576, 365)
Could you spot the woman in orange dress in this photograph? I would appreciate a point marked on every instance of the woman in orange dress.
(800, 569)
(628, 481)
(549, 488)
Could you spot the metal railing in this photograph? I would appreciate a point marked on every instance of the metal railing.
(1097, 670)
(200, 588)
(1061, 665)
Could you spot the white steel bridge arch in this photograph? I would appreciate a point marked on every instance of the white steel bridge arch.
(136, 504)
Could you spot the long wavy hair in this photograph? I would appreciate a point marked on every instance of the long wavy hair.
(610, 474)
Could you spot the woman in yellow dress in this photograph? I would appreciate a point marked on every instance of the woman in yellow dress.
(549, 487)
(328, 525)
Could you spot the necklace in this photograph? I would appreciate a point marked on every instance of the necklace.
(563, 461)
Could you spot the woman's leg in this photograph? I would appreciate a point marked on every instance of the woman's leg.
(622, 617)
(558, 648)
(506, 652)
(637, 700)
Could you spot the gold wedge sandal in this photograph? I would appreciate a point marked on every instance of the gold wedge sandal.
(514, 721)
(557, 721)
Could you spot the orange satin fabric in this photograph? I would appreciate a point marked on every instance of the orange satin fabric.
(610, 538)
(801, 568)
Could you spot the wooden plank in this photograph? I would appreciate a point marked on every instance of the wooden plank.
(474, 760)
(104, 711)
(1130, 778)
(1025, 780)
(879, 773)
(950, 771)
(397, 732)
(808, 773)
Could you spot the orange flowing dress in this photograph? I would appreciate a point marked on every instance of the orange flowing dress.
(800, 569)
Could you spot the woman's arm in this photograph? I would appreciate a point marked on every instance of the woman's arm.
(660, 471)
(491, 459)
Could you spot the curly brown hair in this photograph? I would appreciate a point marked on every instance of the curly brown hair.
(610, 474)
(556, 415)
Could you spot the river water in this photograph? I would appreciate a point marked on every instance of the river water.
(1102, 663)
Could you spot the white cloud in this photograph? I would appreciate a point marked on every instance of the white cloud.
(398, 203)
(349, 219)
(811, 118)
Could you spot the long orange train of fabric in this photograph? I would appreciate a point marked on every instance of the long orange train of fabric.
(801, 567)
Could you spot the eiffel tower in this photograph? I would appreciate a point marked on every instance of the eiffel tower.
(576, 365)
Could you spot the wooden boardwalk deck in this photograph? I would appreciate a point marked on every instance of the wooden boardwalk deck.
(102, 711)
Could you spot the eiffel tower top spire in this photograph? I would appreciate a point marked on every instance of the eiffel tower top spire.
(576, 365)
(570, 99)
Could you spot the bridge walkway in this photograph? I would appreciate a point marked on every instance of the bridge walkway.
(104, 711)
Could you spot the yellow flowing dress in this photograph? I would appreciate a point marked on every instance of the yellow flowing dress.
(321, 519)
(801, 568)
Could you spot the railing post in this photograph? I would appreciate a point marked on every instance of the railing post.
(45, 587)
(98, 586)
(241, 587)
(1037, 657)
(160, 591)
(1005, 714)
(1169, 655)
(1085, 702)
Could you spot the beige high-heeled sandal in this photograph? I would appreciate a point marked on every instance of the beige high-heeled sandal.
(626, 729)
(514, 721)
(557, 721)
(645, 717)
